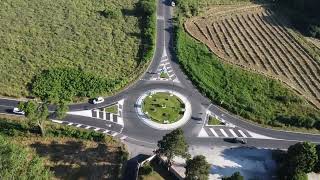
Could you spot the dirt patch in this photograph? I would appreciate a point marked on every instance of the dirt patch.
(256, 39)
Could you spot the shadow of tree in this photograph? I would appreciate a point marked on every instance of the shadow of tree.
(251, 162)
(73, 160)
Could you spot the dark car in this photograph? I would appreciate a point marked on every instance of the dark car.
(236, 140)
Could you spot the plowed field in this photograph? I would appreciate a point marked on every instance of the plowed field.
(254, 38)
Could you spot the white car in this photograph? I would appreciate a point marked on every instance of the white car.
(98, 100)
(173, 4)
(18, 111)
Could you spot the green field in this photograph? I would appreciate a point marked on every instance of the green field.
(247, 94)
(105, 38)
(162, 107)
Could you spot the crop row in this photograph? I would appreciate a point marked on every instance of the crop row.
(260, 42)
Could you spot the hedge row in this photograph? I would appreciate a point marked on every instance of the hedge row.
(63, 84)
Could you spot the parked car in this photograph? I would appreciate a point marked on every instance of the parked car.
(173, 4)
(18, 111)
(98, 100)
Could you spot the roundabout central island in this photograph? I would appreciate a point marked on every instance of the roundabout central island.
(163, 109)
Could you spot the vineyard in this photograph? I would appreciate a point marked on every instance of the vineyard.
(254, 38)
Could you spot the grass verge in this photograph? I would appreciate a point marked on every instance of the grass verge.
(214, 121)
(112, 109)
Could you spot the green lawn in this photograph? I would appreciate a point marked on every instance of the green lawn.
(252, 96)
(162, 107)
(98, 37)
(164, 75)
(214, 121)
(112, 109)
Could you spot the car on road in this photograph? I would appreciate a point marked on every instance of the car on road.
(18, 111)
(98, 100)
(173, 4)
(236, 140)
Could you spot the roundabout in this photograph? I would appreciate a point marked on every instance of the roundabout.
(163, 109)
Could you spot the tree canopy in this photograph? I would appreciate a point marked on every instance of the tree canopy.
(17, 163)
(234, 176)
(173, 144)
(36, 113)
(197, 168)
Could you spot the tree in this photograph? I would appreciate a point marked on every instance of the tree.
(301, 157)
(173, 144)
(62, 109)
(197, 168)
(18, 163)
(234, 176)
(36, 113)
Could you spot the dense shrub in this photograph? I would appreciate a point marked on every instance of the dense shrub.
(67, 131)
(247, 94)
(147, 13)
(63, 84)
(146, 169)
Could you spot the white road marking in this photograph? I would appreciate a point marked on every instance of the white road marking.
(241, 132)
(213, 132)
(203, 133)
(224, 133)
(123, 137)
(106, 131)
(57, 121)
(233, 133)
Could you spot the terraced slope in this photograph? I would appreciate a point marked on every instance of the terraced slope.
(254, 38)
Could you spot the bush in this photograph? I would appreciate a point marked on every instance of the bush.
(300, 176)
(67, 131)
(146, 169)
(147, 12)
(234, 176)
(63, 84)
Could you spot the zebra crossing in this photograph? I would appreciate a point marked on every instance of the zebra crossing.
(92, 128)
(224, 132)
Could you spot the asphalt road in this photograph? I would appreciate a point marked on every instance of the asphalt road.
(139, 133)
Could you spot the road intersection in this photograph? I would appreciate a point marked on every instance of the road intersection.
(197, 133)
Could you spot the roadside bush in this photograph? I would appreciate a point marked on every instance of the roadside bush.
(147, 12)
(67, 131)
(19, 128)
(300, 176)
(63, 84)
(146, 169)
(234, 176)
